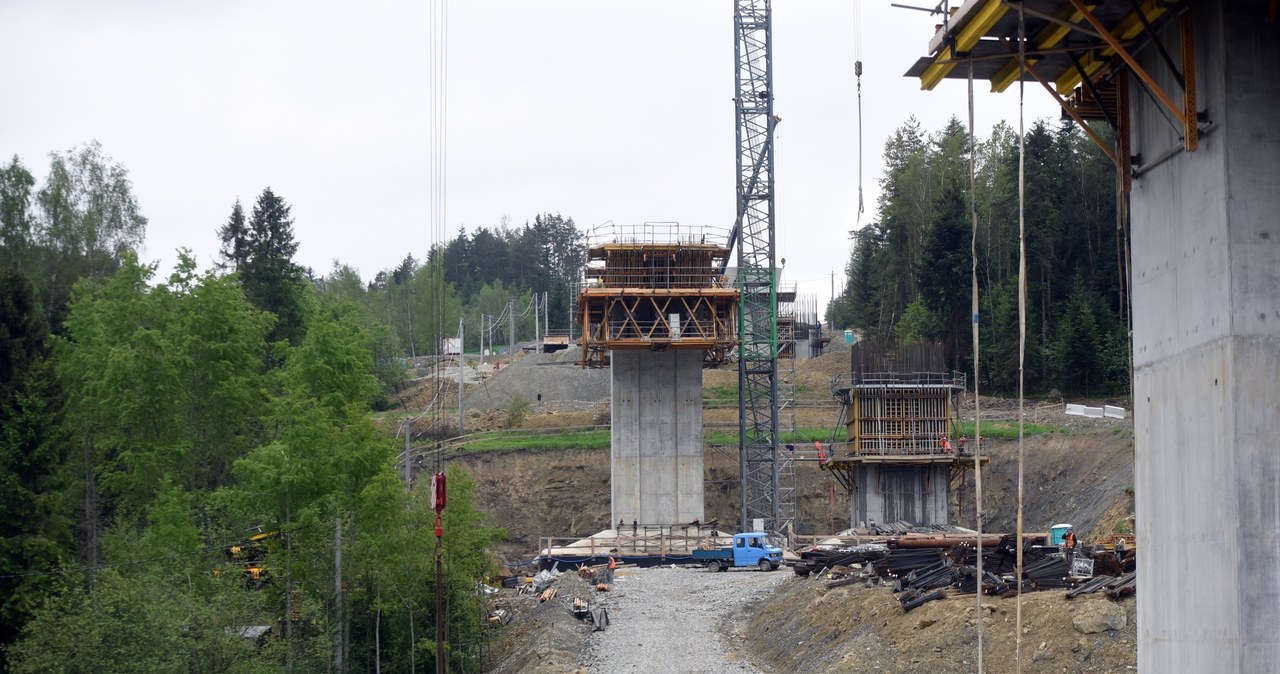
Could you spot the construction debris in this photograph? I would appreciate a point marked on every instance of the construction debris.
(930, 566)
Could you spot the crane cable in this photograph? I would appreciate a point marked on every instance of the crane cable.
(1022, 307)
(977, 414)
(857, 73)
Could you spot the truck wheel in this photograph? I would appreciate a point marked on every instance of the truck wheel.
(713, 566)
(764, 565)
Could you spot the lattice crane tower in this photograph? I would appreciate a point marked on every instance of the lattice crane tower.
(753, 234)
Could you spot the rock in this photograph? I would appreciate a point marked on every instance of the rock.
(927, 622)
(1100, 618)
(1041, 656)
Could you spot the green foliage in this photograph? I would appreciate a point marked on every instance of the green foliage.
(35, 532)
(164, 383)
(546, 255)
(916, 253)
(261, 252)
(16, 223)
(1003, 430)
(517, 411)
(78, 224)
(917, 324)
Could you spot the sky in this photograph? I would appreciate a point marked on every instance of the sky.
(600, 111)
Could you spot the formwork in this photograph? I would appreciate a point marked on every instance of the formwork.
(902, 452)
(656, 287)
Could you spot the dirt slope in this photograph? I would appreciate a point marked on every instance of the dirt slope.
(805, 627)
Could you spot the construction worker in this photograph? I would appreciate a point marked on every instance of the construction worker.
(613, 565)
(1120, 549)
(1069, 545)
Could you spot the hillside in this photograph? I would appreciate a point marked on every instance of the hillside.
(1081, 472)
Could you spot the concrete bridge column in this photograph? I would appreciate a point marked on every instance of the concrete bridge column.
(656, 449)
(1206, 302)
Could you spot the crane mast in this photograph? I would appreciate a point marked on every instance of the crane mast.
(753, 234)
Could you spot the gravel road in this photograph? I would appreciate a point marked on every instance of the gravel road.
(676, 620)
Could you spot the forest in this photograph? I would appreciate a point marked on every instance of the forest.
(909, 272)
(191, 459)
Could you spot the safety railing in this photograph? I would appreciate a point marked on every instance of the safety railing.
(657, 233)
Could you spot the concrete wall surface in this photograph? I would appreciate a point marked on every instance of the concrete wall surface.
(1206, 321)
(892, 493)
(656, 454)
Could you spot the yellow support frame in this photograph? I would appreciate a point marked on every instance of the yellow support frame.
(984, 18)
(1048, 38)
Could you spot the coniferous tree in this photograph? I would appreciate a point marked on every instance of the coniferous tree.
(235, 240)
(34, 533)
(271, 279)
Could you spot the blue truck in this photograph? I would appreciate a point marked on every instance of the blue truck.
(747, 550)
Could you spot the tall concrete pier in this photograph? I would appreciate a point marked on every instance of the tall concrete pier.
(1206, 347)
(656, 472)
(1192, 89)
(656, 308)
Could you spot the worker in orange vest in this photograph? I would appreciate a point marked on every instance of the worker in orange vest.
(613, 565)
(822, 453)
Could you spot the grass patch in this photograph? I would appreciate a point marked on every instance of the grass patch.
(591, 439)
(720, 393)
(800, 436)
(1005, 430)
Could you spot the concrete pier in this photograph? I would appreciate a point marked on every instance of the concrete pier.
(915, 493)
(656, 456)
(1206, 298)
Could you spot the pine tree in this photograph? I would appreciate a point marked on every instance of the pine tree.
(235, 240)
(271, 280)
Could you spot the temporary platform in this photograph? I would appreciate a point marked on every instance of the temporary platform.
(657, 287)
(902, 453)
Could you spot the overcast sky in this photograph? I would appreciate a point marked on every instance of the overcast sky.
(596, 110)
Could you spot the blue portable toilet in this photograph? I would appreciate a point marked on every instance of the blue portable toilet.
(848, 336)
(1057, 533)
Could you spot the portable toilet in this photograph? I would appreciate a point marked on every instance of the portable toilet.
(1057, 533)
(848, 336)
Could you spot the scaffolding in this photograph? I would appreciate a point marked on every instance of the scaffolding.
(898, 405)
(655, 287)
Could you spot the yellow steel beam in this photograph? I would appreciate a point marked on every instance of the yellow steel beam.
(1127, 29)
(1069, 110)
(1047, 38)
(983, 19)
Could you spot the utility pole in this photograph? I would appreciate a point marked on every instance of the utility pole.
(511, 331)
(536, 317)
(462, 372)
(546, 316)
(408, 475)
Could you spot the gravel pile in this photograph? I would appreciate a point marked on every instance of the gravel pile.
(557, 377)
(677, 620)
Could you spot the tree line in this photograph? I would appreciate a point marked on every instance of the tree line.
(153, 426)
(909, 270)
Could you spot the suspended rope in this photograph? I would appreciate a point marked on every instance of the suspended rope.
(977, 415)
(1022, 307)
(857, 72)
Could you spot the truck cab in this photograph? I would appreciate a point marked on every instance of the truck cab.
(747, 550)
